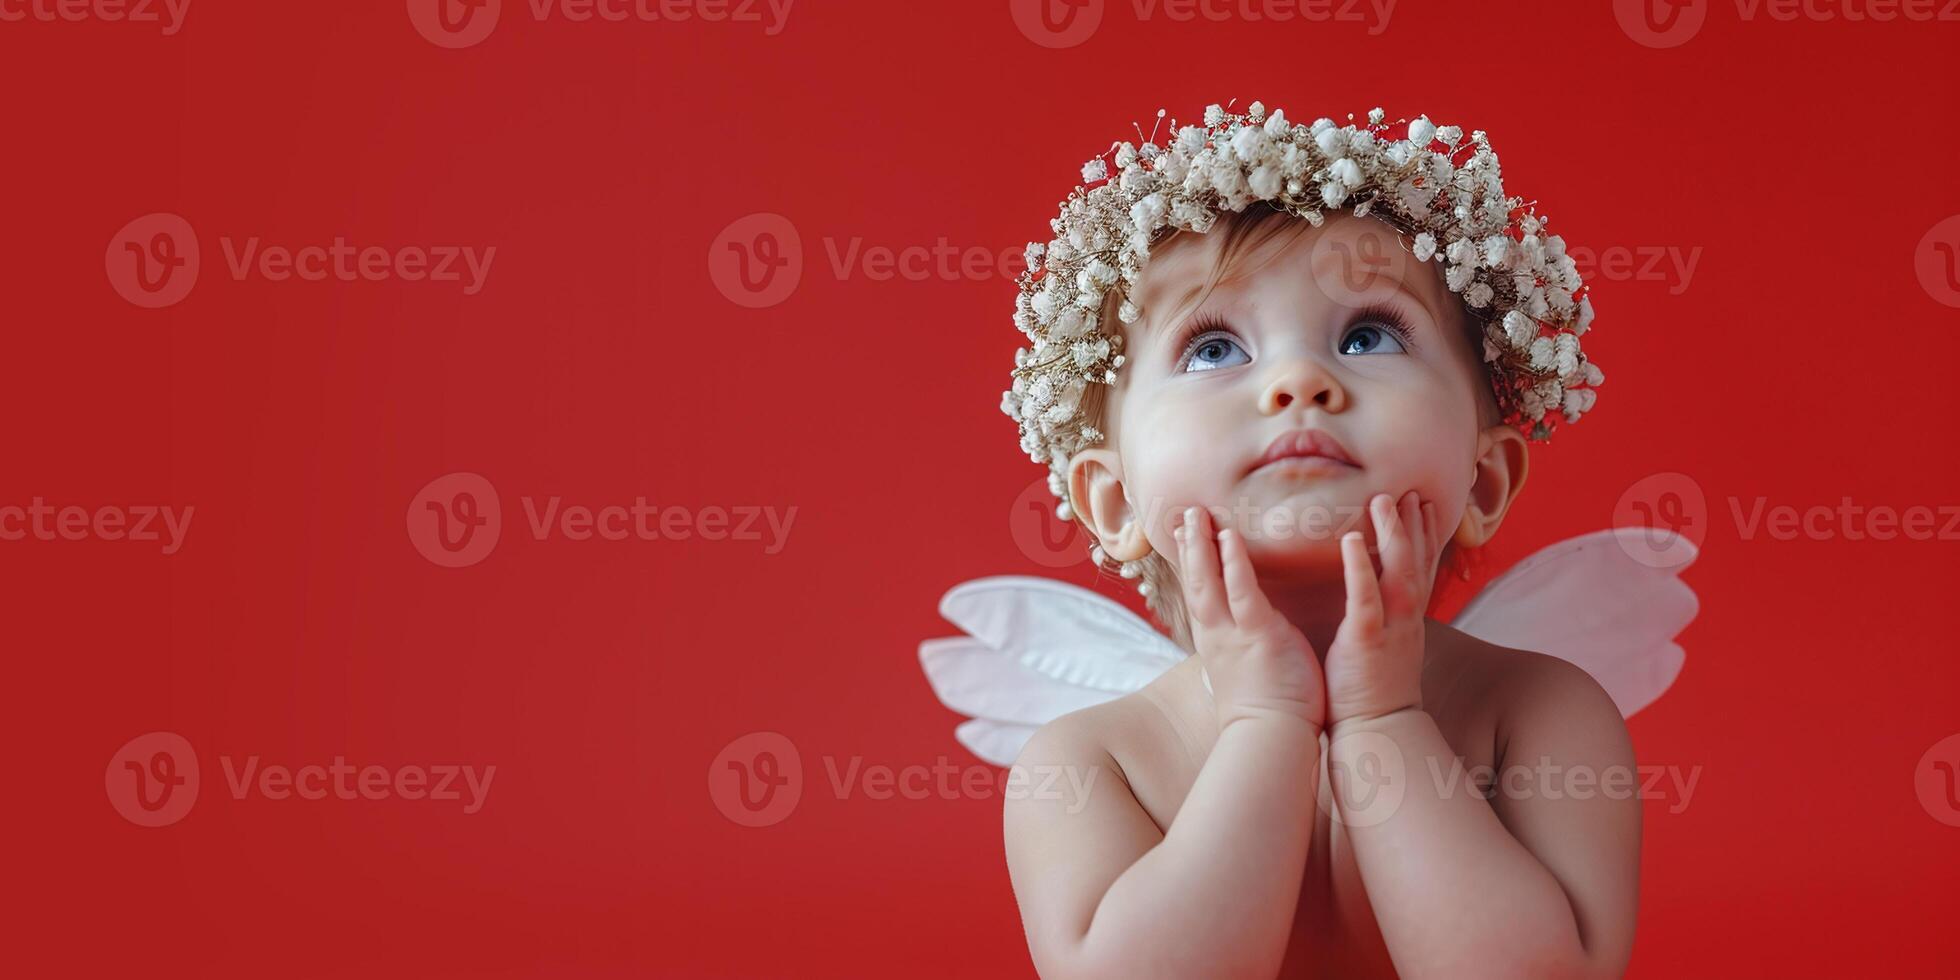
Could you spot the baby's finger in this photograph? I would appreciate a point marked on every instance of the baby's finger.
(1392, 539)
(1416, 521)
(1364, 598)
(1432, 532)
(1248, 602)
(1204, 591)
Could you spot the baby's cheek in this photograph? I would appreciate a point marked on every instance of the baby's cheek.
(1177, 466)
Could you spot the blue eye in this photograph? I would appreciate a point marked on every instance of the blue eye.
(1381, 331)
(1213, 350)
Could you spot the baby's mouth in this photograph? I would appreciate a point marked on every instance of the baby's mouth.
(1305, 452)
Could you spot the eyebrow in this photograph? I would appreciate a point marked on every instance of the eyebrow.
(1402, 286)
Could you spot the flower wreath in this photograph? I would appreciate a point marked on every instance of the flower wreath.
(1517, 280)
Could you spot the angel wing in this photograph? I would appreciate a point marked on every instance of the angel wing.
(1594, 601)
(1038, 648)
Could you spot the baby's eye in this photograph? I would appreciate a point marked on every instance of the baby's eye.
(1369, 338)
(1212, 351)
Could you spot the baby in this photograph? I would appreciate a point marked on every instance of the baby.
(1310, 419)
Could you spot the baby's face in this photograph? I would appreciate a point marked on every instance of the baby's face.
(1338, 331)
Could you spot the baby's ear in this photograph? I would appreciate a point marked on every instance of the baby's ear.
(1097, 495)
(1503, 460)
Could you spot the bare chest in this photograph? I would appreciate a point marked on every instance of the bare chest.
(1334, 927)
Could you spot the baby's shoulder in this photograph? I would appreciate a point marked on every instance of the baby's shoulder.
(1515, 689)
(1103, 732)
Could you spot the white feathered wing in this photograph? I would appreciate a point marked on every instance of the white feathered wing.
(1038, 648)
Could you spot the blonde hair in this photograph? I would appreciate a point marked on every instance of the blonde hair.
(1244, 233)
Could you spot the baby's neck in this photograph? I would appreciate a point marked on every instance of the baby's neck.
(1314, 607)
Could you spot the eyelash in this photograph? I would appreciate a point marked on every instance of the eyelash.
(1382, 315)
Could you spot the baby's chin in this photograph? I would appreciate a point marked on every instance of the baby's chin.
(1298, 555)
(1296, 532)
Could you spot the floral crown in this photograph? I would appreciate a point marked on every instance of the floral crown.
(1518, 280)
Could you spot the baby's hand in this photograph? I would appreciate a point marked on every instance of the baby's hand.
(1374, 666)
(1258, 663)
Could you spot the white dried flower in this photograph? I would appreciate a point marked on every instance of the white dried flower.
(1497, 250)
(1542, 354)
(1095, 170)
(1519, 330)
(1249, 143)
(1264, 183)
(1425, 247)
(1332, 142)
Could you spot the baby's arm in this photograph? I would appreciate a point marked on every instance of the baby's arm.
(1104, 894)
(1527, 883)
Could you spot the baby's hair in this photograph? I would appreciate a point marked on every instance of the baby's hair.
(1244, 233)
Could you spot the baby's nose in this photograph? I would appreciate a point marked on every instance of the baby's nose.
(1302, 379)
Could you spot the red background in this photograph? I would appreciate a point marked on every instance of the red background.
(1802, 363)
